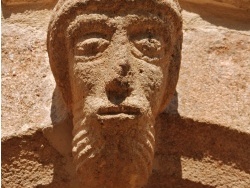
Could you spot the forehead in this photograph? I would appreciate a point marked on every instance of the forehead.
(116, 20)
(145, 14)
(115, 7)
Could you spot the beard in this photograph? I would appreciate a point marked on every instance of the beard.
(113, 153)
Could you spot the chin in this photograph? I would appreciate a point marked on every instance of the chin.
(114, 151)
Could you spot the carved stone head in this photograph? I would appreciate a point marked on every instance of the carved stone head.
(116, 63)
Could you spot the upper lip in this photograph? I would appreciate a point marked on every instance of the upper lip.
(115, 110)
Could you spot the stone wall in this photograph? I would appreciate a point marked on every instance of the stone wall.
(203, 138)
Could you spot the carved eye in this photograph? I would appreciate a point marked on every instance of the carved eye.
(91, 46)
(148, 46)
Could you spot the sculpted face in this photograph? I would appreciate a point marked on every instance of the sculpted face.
(118, 70)
(117, 81)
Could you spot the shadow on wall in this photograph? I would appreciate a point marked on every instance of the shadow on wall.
(29, 161)
(176, 138)
(232, 18)
(19, 7)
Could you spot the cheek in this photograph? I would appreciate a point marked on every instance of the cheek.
(152, 84)
(84, 79)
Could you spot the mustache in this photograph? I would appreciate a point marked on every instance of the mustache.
(113, 110)
(89, 143)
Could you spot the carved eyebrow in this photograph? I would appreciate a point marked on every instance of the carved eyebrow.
(147, 24)
(91, 17)
(137, 19)
(83, 20)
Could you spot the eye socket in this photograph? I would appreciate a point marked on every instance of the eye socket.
(148, 45)
(91, 46)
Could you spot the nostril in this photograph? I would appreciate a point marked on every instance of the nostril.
(117, 91)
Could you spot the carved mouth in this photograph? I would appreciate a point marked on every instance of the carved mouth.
(118, 112)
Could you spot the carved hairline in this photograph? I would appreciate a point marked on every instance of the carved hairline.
(67, 10)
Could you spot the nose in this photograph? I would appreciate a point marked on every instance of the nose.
(124, 67)
(120, 58)
(118, 90)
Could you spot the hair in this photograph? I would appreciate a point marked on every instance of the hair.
(67, 10)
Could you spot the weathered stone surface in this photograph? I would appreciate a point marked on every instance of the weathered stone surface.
(243, 4)
(26, 2)
(208, 170)
(190, 153)
(28, 160)
(26, 79)
(215, 75)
